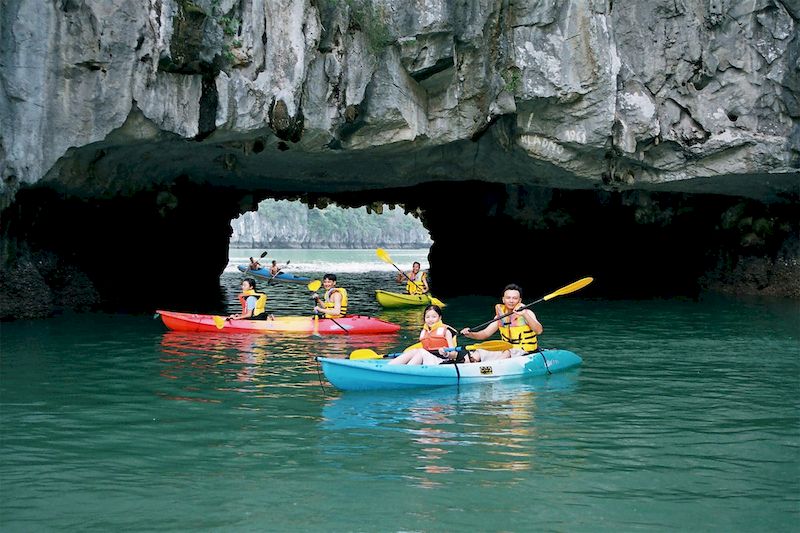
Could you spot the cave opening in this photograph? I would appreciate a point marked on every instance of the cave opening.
(166, 246)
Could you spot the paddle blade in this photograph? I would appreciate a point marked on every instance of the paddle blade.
(437, 302)
(263, 254)
(219, 322)
(492, 346)
(314, 285)
(383, 256)
(364, 353)
(572, 287)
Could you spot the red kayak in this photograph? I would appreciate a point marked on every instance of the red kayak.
(353, 324)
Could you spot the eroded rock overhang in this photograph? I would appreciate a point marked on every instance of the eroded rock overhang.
(181, 114)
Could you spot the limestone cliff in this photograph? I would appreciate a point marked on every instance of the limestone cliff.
(292, 225)
(175, 108)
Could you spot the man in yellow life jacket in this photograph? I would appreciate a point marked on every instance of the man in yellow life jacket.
(416, 281)
(520, 328)
(254, 304)
(334, 303)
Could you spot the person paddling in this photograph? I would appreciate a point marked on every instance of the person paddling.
(416, 281)
(334, 303)
(520, 328)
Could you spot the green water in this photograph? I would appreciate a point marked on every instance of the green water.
(685, 416)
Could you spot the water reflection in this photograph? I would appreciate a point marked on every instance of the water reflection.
(481, 427)
(201, 365)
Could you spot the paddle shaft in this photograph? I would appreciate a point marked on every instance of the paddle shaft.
(481, 326)
(572, 287)
(406, 276)
(269, 281)
(334, 321)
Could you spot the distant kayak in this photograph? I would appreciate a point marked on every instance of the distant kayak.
(263, 273)
(398, 299)
(354, 324)
(376, 374)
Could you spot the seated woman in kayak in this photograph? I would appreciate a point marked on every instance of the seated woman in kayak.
(435, 338)
(254, 304)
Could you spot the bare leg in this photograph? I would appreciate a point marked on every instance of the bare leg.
(411, 357)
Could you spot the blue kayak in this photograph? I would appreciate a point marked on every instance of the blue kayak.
(376, 374)
(263, 273)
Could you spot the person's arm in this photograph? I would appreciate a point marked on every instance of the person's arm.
(482, 334)
(251, 307)
(400, 278)
(532, 321)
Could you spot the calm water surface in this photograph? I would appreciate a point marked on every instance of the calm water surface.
(684, 416)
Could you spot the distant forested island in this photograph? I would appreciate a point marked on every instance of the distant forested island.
(285, 224)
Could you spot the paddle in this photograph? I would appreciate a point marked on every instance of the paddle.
(572, 287)
(314, 286)
(383, 256)
(494, 346)
(269, 281)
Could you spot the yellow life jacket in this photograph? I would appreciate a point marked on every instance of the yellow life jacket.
(261, 303)
(520, 334)
(419, 287)
(433, 338)
(328, 304)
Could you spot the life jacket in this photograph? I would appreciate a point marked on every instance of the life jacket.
(261, 303)
(521, 335)
(328, 304)
(419, 287)
(434, 337)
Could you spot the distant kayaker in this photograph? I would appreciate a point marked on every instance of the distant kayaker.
(435, 337)
(254, 264)
(254, 303)
(416, 281)
(334, 303)
(519, 328)
(274, 269)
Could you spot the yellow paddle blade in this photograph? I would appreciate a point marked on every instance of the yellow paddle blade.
(364, 353)
(437, 301)
(572, 287)
(314, 285)
(492, 346)
(383, 256)
(413, 347)
(219, 322)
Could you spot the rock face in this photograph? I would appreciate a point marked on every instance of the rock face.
(293, 225)
(112, 102)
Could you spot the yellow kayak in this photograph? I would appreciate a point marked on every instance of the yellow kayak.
(398, 299)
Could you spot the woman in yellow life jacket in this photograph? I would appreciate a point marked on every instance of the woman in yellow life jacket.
(334, 304)
(519, 328)
(254, 304)
(416, 281)
(435, 337)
